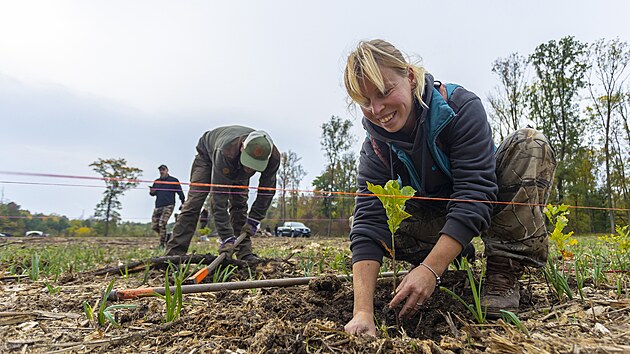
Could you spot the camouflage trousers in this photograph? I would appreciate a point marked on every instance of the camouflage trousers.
(525, 165)
(159, 220)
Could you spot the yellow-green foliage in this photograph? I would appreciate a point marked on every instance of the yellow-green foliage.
(204, 231)
(619, 242)
(557, 215)
(81, 231)
(393, 199)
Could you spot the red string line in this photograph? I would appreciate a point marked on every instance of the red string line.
(326, 194)
(145, 218)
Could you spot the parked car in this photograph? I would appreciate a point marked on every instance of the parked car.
(3, 235)
(293, 229)
(35, 234)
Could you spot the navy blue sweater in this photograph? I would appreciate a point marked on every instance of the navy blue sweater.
(165, 192)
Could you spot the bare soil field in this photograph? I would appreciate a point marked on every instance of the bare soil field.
(38, 318)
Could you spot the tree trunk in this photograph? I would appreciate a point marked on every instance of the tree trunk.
(559, 188)
(283, 206)
(332, 176)
(109, 205)
(611, 213)
(590, 220)
(620, 166)
(577, 218)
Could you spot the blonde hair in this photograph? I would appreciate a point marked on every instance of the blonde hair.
(365, 63)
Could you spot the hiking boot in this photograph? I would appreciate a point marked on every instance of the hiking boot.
(501, 287)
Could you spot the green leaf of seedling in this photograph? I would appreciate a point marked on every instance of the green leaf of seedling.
(393, 199)
(101, 310)
(89, 313)
(511, 317)
(120, 306)
(110, 318)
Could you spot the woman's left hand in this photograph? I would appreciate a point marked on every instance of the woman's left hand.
(417, 286)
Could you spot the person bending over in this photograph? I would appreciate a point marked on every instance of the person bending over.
(228, 156)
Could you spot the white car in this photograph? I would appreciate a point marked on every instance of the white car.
(34, 234)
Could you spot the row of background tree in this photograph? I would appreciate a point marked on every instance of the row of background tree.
(576, 93)
(16, 221)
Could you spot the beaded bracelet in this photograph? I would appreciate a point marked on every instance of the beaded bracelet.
(438, 281)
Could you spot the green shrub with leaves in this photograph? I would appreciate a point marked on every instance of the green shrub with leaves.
(557, 215)
(619, 244)
(204, 231)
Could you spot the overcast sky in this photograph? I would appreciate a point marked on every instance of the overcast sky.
(82, 80)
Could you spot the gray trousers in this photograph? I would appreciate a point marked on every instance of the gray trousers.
(201, 172)
(525, 167)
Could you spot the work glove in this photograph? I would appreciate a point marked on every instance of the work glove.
(227, 246)
(251, 226)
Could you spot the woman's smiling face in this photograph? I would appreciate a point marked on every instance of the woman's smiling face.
(392, 109)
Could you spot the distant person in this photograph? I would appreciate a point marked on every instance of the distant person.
(436, 138)
(230, 156)
(164, 189)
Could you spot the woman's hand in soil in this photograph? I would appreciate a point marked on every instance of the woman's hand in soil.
(417, 287)
(362, 322)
